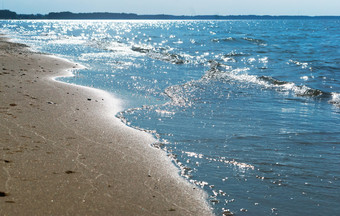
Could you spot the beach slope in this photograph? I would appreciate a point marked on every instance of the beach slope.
(62, 151)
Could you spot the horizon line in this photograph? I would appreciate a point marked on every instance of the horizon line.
(168, 15)
(164, 14)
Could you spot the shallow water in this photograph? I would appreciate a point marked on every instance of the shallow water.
(249, 110)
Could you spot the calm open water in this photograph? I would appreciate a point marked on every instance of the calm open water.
(248, 110)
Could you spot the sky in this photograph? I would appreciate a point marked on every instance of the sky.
(178, 7)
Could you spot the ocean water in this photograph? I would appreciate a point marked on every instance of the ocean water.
(248, 110)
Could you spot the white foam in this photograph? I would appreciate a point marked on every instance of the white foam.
(304, 65)
(164, 113)
(122, 49)
(263, 60)
(304, 78)
(68, 40)
(335, 98)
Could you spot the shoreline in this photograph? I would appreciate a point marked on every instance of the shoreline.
(63, 151)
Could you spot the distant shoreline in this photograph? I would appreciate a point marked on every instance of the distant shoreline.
(7, 14)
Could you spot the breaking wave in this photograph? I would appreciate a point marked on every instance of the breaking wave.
(221, 72)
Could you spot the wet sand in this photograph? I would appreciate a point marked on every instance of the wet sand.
(62, 152)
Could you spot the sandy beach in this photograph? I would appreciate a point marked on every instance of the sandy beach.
(62, 151)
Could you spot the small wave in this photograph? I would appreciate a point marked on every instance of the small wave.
(299, 90)
(115, 47)
(244, 39)
(177, 95)
(121, 116)
(221, 160)
(161, 54)
(228, 39)
(217, 66)
(181, 95)
(235, 54)
(303, 65)
(231, 162)
(255, 41)
(217, 71)
(239, 164)
(140, 49)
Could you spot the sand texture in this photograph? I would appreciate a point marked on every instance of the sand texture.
(62, 151)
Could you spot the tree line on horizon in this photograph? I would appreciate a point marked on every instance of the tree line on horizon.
(7, 14)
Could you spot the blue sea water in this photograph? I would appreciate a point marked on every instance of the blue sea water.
(249, 110)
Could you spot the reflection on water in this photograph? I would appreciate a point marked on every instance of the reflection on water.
(248, 110)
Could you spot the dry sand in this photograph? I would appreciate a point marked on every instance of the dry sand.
(62, 151)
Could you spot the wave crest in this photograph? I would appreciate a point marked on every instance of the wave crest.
(161, 54)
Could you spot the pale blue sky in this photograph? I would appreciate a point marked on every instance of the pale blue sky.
(179, 7)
